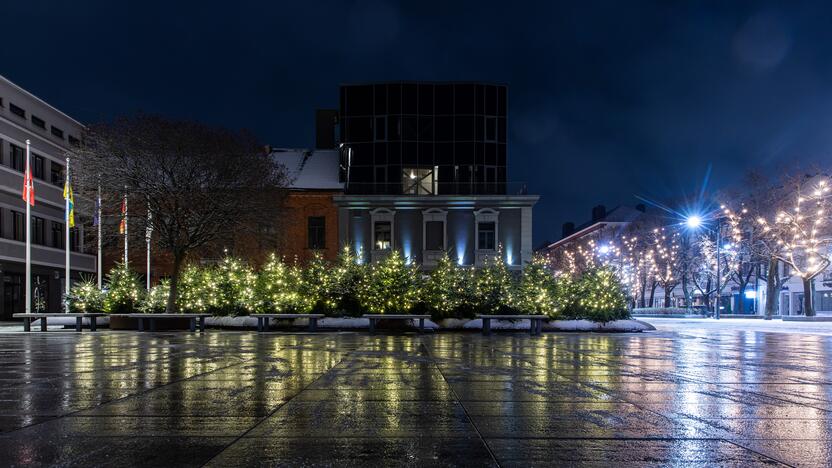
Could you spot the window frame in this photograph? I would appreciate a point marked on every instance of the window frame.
(56, 132)
(17, 110)
(37, 121)
(22, 158)
(434, 215)
(18, 226)
(316, 235)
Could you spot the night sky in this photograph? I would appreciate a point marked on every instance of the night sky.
(607, 100)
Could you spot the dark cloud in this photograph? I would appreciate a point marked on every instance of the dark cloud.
(607, 99)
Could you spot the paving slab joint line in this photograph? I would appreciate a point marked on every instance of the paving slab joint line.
(758, 453)
(279, 407)
(464, 409)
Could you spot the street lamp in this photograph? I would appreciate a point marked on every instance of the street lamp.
(693, 221)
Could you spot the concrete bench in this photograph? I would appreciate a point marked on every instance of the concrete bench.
(152, 318)
(263, 319)
(535, 325)
(375, 317)
(79, 317)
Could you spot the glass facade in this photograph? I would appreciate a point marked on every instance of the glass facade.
(451, 137)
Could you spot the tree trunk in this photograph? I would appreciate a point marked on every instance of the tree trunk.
(808, 302)
(652, 293)
(771, 288)
(642, 294)
(178, 258)
(741, 299)
(685, 291)
(667, 297)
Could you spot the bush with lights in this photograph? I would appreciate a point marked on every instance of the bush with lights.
(389, 286)
(278, 288)
(536, 290)
(494, 287)
(598, 296)
(84, 296)
(441, 289)
(156, 301)
(332, 287)
(197, 289)
(124, 290)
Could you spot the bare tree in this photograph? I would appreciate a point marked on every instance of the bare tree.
(198, 182)
(804, 232)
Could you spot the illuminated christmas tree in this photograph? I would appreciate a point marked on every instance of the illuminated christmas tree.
(443, 292)
(279, 288)
(390, 286)
(493, 287)
(601, 297)
(156, 300)
(85, 296)
(124, 290)
(536, 290)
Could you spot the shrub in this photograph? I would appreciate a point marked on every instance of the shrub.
(156, 300)
(442, 291)
(601, 296)
(225, 289)
(85, 296)
(278, 288)
(390, 286)
(332, 288)
(124, 290)
(536, 291)
(197, 289)
(493, 288)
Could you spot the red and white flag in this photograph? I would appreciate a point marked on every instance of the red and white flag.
(28, 186)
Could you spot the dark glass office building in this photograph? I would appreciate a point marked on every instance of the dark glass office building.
(406, 138)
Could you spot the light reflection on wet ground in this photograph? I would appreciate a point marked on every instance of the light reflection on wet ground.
(725, 397)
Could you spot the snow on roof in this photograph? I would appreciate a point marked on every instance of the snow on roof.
(310, 169)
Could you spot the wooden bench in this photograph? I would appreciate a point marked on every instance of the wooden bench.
(263, 319)
(375, 317)
(535, 325)
(152, 318)
(79, 317)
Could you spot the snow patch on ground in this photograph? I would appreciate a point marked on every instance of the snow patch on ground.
(343, 322)
(231, 322)
(452, 323)
(590, 326)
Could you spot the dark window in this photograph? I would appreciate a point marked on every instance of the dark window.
(38, 230)
(74, 239)
(1, 102)
(18, 158)
(381, 128)
(73, 141)
(17, 226)
(57, 132)
(18, 111)
(490, 129)
(37, 167)
(57, 235)
(57, 174)
(316, 232)
(434, 235)
(382, 235)
(38, 122)
(486, 235)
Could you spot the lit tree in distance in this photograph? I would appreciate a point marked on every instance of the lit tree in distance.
(805, 234)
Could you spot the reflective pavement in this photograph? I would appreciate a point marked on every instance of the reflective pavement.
(721, 398)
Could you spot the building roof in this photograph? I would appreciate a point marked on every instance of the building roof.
(310, 169)
(619, 215)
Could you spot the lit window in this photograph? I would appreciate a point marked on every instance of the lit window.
(382, 235)
(419, 181)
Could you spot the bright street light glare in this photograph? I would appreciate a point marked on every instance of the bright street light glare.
(693, 221)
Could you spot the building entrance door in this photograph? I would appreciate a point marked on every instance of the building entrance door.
(12, 295)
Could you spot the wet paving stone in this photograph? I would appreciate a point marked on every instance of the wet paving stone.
(447, 399)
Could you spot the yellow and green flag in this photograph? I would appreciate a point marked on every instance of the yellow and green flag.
(70, 211)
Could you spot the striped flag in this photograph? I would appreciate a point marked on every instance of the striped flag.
(70, 212)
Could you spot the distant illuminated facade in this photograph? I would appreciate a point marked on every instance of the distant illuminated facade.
(424, 172)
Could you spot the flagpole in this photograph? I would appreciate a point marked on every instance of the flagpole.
(148, 234)
(27, 299)
(100, 273)
(125, 228)
(66, 224)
